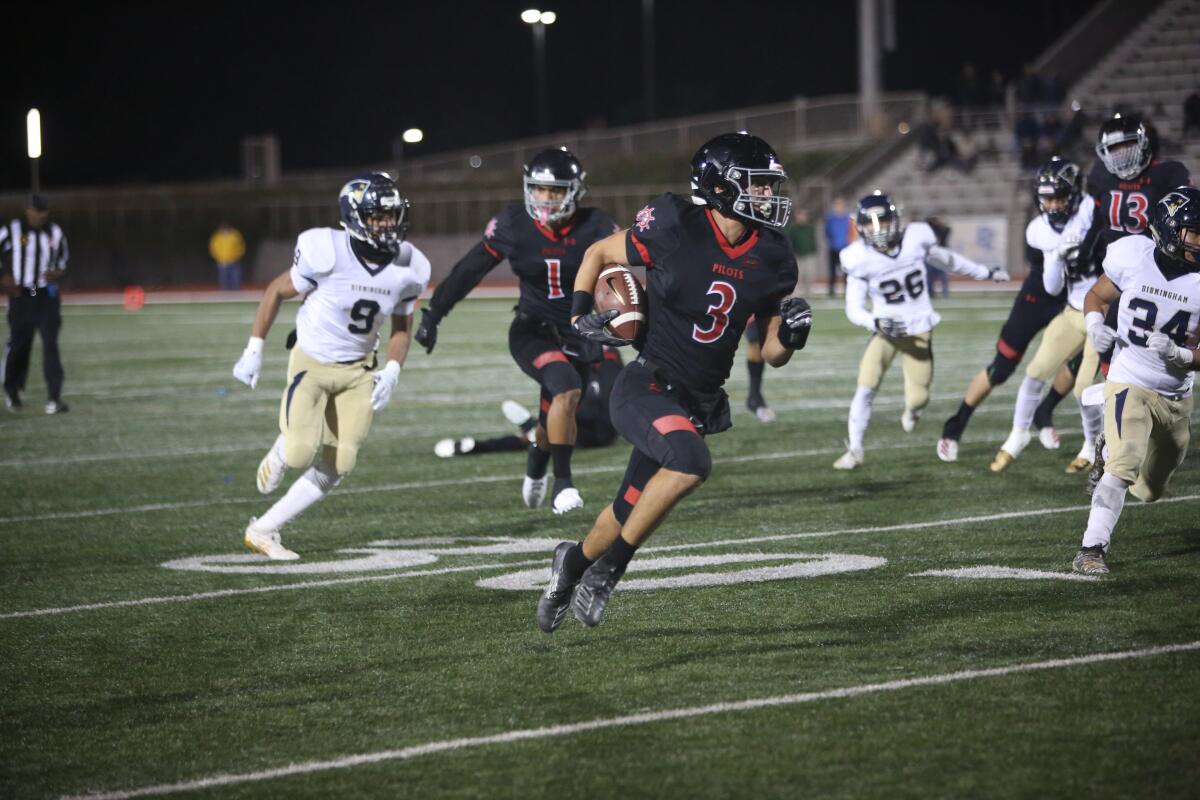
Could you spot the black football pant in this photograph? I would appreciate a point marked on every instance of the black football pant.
(29, 315)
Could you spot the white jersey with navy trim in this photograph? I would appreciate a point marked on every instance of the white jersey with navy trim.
(346, 300)
(1150, 302)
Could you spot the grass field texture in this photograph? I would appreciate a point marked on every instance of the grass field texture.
(774, 639)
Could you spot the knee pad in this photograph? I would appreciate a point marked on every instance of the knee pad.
(688, 454)
(1000, 369)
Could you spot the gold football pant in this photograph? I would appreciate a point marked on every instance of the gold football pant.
(1147, 437)
(916, 362)
(1062, 340)
(325, 404)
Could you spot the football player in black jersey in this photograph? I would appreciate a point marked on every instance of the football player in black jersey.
(544, 241)
(711, 260)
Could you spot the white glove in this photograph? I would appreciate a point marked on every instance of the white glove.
(1171, 353)
(250, 364)
(385, 383)
(1101, 335)
(998, 274)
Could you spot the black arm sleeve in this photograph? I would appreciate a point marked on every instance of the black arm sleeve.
(465, 276)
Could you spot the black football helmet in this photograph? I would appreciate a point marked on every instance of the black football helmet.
(739, 175)
(878, 222)
(374, 211)
(1124, 146)
(556, 168)
(1061, 180)
(1177, 212)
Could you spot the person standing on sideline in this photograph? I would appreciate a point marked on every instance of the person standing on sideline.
(803, 237)
(33, 251)
(837, 237)
(227, 247)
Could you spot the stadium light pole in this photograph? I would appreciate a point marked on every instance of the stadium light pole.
(33, 137)
(538, 20)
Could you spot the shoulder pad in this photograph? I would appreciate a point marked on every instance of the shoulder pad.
(851, 256)
(418, 263)
(921, 233)
(316, 247)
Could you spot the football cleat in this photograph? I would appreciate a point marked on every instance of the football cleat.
(593, 590)
(533, 491)
(567, 500)
(1083, 460)
(271, 469)
(444, 448)
(264, 541)
(947, 449)
(1097, 470)
(554, 602)
(1048, 436)
(1090, 561)
(909, 419)
(765, 414)
(516, 413)
(1012, 447)
(13, 404)
(57, 407)
(851, 459)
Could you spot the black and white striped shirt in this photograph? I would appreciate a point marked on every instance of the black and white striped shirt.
(31, 253)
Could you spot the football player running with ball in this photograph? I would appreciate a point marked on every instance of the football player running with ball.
(544, 241)
(1148, 395)
(887, 266)
(350, 280)
(711, 260)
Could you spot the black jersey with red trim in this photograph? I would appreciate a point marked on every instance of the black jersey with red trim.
(701, 290)
(1125, 207)
(545, 260)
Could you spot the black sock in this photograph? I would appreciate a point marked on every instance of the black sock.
(954, 427)
(501, 444)
(576, 563)
(1044, 416)
(536, 462)
(755, 368)
(621, 552)
(528, 425)
(562, 461)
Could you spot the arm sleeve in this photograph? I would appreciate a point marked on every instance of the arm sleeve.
(465, 276)
(947, 259)
(856, 303)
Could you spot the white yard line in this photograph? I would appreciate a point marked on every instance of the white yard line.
(908, 526)
(643, 718)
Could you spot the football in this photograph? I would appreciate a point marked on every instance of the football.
(618, 288)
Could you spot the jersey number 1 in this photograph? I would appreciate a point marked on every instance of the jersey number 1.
(718, 312)
(554, 278)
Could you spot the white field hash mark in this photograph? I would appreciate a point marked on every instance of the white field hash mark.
(645, 718)
(905, 526)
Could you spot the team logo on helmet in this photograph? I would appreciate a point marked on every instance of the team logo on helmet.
(1174, 201)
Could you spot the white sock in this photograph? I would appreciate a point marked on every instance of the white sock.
(315, 483)
(860, 416)
(1093, 421)
(1028, 397)
(1108, 498)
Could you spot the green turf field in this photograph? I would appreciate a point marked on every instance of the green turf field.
(772, 640)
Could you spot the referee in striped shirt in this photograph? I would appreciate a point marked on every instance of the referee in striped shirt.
(33, 257)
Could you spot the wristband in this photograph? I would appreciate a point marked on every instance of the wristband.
(581, 303)
(255, 345)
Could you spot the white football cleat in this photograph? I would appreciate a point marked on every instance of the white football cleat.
(765, 414)
(851, 459)
(1048, 436)
(567, 500)
(264, 541)
(533, 491)
(272, 468)
(909, 419)
(1012, 447)
(1083, 461)
(444, 448)
(947, 450)
(515, 413)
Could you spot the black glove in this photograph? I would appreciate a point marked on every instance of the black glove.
(797, 323)
(593, 327)
(891, 328)
(427, 330)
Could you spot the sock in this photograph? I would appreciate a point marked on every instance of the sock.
(536, 462)
(501, 444)
(1093, 421)
(576, 563)
(310, 487)
(1044, 416)
(954, 427)
(860, 416)
(528, 425)
(561, 454)
(621, 552)
(755, 368)
(1108, 498)
(1027, 402)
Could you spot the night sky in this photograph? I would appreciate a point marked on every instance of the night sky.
(164, 93)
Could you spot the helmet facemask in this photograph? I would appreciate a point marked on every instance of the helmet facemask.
(759, 195)
(1124, 153)
(374, 212)
(385, 227)
(558, 203)
(879, 226)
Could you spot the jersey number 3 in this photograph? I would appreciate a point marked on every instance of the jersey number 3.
(718, 312)
(1146, 315)
(363, 313)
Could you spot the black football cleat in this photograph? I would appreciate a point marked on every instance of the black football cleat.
(592, 593)
(554, 602)
(1097, 470)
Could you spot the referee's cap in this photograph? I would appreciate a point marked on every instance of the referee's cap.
(39, 202)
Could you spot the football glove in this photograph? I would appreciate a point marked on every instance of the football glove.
(1101, 335)
(250, 364)
(594, 327)
(427, 331)
(998, 274)
(797, 322)
(385, 383)
(1171, 353)
(891, 328)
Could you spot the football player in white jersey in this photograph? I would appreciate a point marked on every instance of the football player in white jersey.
(350, 281)
(1056, 232)
(1148, 395)
(886, 265)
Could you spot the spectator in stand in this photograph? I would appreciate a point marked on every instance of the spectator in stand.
(1027, 133)
(1031, 88)
(1191, 115)
(969, 93)
(1070, 138)
(803, 237)
(837, 236)
(996, 91)
(227, 247)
